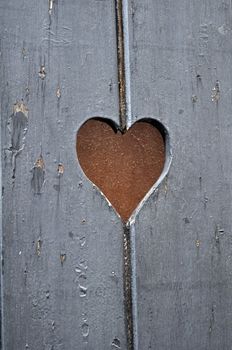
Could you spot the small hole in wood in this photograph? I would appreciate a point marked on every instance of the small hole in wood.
(124, 166)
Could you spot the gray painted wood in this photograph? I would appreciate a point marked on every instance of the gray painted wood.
(178, 52)
(62, 243)
(60, 237)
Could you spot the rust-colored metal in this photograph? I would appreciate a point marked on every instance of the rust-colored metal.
(123, 166)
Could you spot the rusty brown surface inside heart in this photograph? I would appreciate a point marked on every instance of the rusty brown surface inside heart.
(123, 166)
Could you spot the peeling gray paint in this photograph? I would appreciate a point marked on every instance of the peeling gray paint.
(38, 175)
(17, 126)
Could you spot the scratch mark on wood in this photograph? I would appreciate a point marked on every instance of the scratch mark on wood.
(38, 247)
(60, 38)
(212, 319)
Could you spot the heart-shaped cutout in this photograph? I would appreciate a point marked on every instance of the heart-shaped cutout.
(124, 166)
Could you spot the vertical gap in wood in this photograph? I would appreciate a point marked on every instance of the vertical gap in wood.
(128, 287)
(121, 64)
(124, 123)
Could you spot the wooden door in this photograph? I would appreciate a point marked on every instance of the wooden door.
(74, 276)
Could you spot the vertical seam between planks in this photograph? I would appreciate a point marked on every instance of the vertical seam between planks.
(2, 347)
(126, 41)
(129, 121)
(121, 64)
(128, 304)
(134, 287)
(125, 116)
(127, 268)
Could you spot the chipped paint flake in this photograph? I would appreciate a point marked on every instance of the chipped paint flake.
(42, 72)
(38, 177)
(39, 163)
(17, 126)
(19, 106)
(116, 344)
(58, 93)
(216, 92)
(60, 169)
(62, 257)
(50, 6)
(194, 98)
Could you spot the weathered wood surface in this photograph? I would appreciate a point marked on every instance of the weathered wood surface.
(63, 244)
(59, 234)
(178, 51)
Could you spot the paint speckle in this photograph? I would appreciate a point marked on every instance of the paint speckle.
(82, 291)
(27, 91)
(60, 169)
(116, 344)
(58, 93)
(62, 257)
(194, 98)
(221, 231)
(42, 72)
(85, 330)
(216, 92)
(24, 53)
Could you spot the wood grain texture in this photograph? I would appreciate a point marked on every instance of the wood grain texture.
(63, 244)
(181, 74)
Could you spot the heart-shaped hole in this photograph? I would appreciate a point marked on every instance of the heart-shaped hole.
(124, 166)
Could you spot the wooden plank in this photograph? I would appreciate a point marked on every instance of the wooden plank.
(63, 244)
(181, 58)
